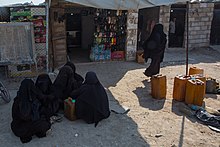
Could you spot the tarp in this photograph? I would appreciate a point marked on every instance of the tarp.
(124, 4)
(16, 43)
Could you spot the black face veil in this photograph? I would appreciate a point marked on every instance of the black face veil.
(26, 94)
(43, 83)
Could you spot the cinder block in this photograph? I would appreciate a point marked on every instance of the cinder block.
(204, 28)
(211, 5)
(191, 19)
(195, 5)
(204, 19)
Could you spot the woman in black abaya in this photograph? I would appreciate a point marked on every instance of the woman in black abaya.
(154, 48)
(79, 79)
(91, 100)
(27, 120)
(67, 80)
(50, 105)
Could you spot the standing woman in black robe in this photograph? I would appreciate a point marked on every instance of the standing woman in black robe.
(154, 48)
(91, 100)
(27, 120)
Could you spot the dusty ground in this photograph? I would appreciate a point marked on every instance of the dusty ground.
(148, 118)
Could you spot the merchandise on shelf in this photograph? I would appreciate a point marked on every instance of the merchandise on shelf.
(36, 15)
(39, 29)
(20, 11)
(99, 53)
(118, 55)
(25, 14)
(110, 35)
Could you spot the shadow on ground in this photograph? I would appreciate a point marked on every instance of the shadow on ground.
(195, 56)
(213, 96)
(118, 130)
(181, 109)
(145, 99)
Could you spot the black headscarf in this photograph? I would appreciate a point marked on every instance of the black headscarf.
(49, 101)
(158, 30)
(91, 78)
(77, 77)
(26, 97)
(62, 80)
(67, 79)
(156, 43)
(44, 83)
(92, 94)
(63, 84)
(97, 95)
(68, 63)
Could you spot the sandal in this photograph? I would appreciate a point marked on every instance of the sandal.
(54, 119)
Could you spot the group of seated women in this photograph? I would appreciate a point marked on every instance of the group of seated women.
(36, 103)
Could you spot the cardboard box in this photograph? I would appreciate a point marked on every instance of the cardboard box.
(118, 55)
(139, 56)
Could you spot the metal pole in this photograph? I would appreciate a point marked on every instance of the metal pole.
(187, 35)
(47, 36)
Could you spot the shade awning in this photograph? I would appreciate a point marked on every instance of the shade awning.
(124, 4)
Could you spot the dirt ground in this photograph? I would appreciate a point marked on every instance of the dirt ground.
(150, 122)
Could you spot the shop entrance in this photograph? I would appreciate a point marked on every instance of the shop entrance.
(177, 25)
(79, 33)
(147, 18)
(215, 29)
(95, 34)
(83, 34)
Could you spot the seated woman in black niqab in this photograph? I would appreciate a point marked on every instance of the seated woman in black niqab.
(91, 100)
(27, 120)
(154, 48)
(50, 105)
(66, 81)
(79, 79)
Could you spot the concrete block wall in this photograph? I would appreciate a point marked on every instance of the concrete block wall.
(164, 18)
(132, 33)
(200, 19)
